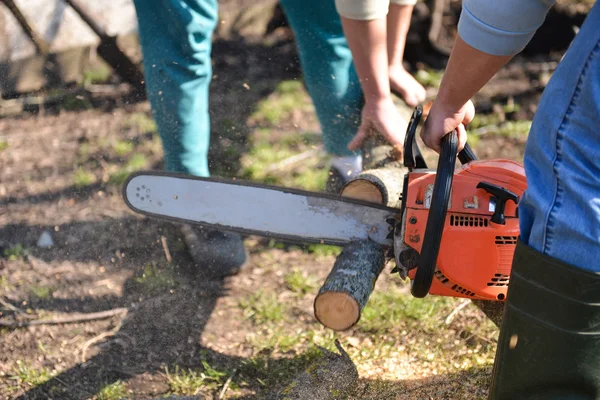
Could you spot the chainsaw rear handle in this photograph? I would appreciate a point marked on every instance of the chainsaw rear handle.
(436, 218)
(412, 154)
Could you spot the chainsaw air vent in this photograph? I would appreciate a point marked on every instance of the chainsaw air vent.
(506, 240)
(506, 249)
(499, 280)
(463, 220)
(448, 283)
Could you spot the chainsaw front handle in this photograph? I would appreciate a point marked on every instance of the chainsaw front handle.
(437, 215)
(412, 154)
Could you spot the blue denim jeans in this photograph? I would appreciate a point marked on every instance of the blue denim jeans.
(176, 37)
(560, 210)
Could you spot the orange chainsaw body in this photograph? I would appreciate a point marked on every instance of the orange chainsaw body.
(476, 254)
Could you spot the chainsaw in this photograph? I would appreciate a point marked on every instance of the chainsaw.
(454, 233)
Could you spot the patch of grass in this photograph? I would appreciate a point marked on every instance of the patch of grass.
(275, 244)
(313, 179)
(122, 147)
(260, 158)
(28, 376)
(394, 309)
(429, 77)
(75, 102)
(509, 129)
(263, 307)
(83, 152)
(15, 252)
(191, 381)
(299, 282)
(142, 122)
(156, 278)
(82, 178)
(114, 391)
(41, 292)
(270, 147)
(324, 250)
(481, 120)
(262, 368)
(3, 145)
(98, 74)
(288, 96)
(135, 163)
(514, 129)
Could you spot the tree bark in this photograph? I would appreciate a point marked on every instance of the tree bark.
(349, 285)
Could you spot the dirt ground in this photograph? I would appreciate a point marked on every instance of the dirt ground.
(174, 332)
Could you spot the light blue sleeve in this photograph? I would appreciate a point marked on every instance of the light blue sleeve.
(501, 27)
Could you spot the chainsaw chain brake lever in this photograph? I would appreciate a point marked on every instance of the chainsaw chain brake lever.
(413, 158)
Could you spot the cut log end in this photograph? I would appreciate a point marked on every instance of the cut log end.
(337, 310)
(381, 186)
(348, 286)
(362, 189)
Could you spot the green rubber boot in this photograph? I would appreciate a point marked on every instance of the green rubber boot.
(549, 345)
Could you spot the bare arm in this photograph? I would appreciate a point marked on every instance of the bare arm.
(367, 40)
(468, 70)
(490, 33)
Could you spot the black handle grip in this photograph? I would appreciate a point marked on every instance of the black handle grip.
(436, 217)
(412, 154)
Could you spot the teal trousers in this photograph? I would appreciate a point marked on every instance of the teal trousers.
(175, 37)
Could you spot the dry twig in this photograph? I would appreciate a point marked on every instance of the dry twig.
(98, 338)
(451, 316)
(165, 246)
(293, 159)
(65, 320)
(11, 307)
(226, 385)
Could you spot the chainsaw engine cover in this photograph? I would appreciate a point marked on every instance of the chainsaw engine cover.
(480, 231)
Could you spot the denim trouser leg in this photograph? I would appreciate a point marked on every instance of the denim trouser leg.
(560, 210)
(175, 37)
(328, 70)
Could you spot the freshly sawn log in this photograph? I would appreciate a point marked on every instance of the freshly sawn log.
(381, 186)
(383, 175)
(343, 296)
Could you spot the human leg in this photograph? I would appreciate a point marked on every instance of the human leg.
(175, 37)
(401, 81)
(549, 344)
(330, 79)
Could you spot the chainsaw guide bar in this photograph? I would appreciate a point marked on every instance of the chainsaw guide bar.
(254, 208)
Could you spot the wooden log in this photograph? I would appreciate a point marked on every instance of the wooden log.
(343, 296)
(382, 177)
(381, 186)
